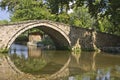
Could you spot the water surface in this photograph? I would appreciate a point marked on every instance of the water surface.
(65, 65)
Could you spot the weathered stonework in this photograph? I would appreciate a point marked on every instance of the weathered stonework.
(35, 37)
(107, 40)
(61, 34)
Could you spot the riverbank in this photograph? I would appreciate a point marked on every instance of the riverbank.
(114, 50)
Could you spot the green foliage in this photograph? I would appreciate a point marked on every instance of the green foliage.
(81, 17)
(108, 9)
(22, 38)
(58, 6)
(10, 4)
(53, 5)
(105, 25)
(30, 10)
(30, 14)
(63, 17)
(47, 41)
(4, 50)
(4, 22)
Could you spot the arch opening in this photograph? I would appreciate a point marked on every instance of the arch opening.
(60, 39)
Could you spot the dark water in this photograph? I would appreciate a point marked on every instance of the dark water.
(64, 65)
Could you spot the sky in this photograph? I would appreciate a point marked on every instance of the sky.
(4, 15)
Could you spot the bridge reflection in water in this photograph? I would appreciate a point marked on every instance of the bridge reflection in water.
(64, 65)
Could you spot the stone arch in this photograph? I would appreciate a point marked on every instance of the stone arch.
(59, 37)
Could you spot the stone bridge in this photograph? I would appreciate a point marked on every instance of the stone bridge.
(64, 36)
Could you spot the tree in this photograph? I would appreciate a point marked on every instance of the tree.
(35, 9)
(105, 25)
(58, 6)
(81, 17)
(30, 10)
(26, 10)
(100, 9)
(10, 4)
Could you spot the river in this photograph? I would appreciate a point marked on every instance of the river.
(65, 65)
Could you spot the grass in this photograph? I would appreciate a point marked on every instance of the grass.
(4, 50)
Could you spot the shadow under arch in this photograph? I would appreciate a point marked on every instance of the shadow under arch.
(59, 37)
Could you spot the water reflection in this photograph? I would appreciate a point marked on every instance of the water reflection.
(19, 50)
(64, 65)
(102, 75)
(33, 49)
